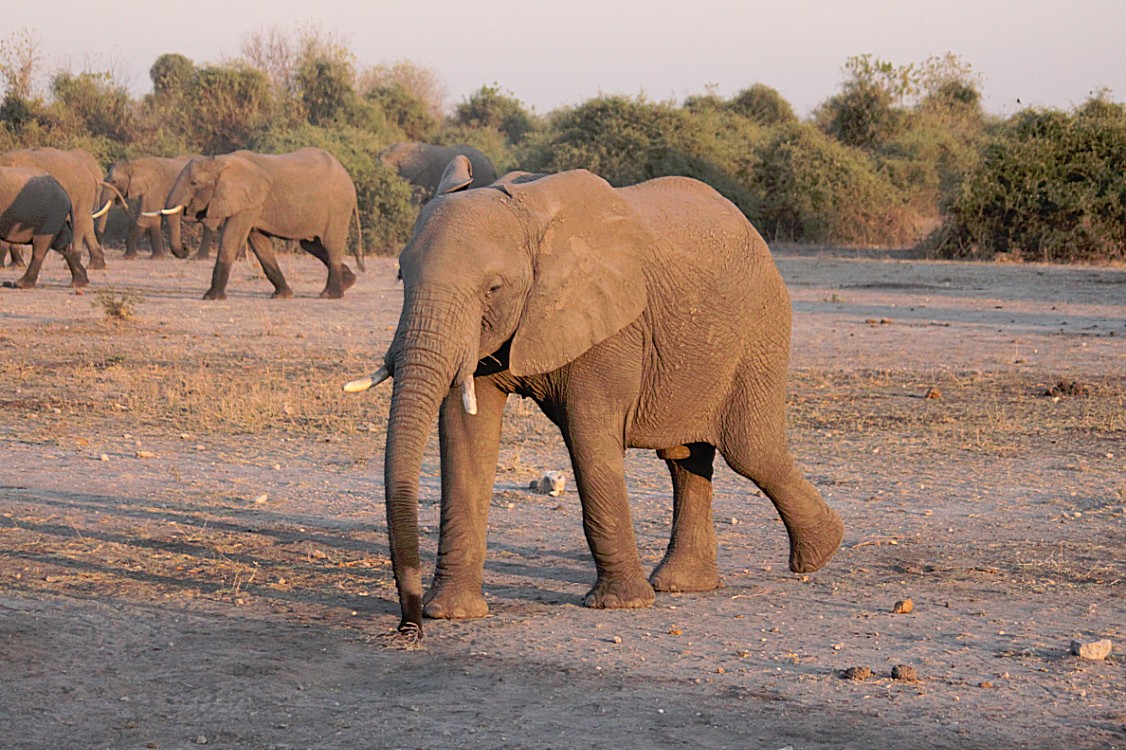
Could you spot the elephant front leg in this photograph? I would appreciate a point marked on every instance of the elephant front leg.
(233, 237)
(690, 560)
(132, 239)
(469, 445)
(598, 461)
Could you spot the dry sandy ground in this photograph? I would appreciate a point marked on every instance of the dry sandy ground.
(193, 546)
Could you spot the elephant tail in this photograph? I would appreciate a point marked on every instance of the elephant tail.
(359, 238)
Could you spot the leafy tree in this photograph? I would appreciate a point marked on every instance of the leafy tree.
(405, 110)
(172, 76)
(326, 89)
(489, 108)
(94, 104)
(232, 103)
(763, 105)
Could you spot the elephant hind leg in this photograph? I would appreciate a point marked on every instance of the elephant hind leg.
(263, 249)
(690, 560)
(759, 452)
(340, 277)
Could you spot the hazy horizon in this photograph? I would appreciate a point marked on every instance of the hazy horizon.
(1032, 53)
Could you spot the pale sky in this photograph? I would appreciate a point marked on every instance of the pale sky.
(1043, 52)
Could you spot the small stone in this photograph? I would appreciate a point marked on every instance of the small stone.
(616, 639)
(145, 454)
(932, 392)
(261, 498)
(904, 673)
(1093, 650)
(857, 673)
(201, 740)
(903, 607)
(985, 684)
(104, 457)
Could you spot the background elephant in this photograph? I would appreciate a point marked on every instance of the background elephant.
(35, 210)
(79, 174)
(650, 316)
(422, 165)
(148, 180)
(306, 195)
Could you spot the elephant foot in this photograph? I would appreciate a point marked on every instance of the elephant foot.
(680, 573)
(348, 278)
(162, 255)
(283, 293)
(19, 284)
(127, 256)
(331, 293)
(620, 593)
(79, 282)
(199, 256)
(215, 294)
(449, 602)
(813, 546)
(97, 264)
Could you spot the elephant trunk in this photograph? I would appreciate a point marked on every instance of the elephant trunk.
(427, 358)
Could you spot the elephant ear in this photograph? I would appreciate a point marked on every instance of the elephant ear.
(457, 176)
(240, 186)
(140, 183)
(587, 281)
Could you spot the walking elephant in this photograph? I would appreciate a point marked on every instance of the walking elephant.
(79, 174)
(148, 180)
(649, 316)
(422, 165)
(306, 195)
(35, 210)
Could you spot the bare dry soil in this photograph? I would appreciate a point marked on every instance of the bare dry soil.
(193, 544)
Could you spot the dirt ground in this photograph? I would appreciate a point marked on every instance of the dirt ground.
(193, 544)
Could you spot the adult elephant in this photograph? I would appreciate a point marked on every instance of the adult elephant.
(35, 210)
(148, 180)
(650, 316)
(422, 164)
(80, 176)
(306, 195)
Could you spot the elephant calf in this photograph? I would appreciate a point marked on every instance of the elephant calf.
(650, 316)
(35, 210)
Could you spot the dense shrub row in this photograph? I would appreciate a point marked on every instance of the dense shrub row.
(897, 154)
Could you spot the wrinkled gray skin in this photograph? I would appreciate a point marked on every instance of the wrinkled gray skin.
(649, 316)
(79, 174)
(422, 165)
(305, 195)
(36, 211)
(148, 180)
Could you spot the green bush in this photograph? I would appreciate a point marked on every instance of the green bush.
(814, 189)
(1050, 186)
(489, 108)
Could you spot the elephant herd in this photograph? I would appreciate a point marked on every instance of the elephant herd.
(50, 198)
(650, 316)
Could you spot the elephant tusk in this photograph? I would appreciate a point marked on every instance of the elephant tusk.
(175, 210)
(103, 210)
(158, 212)
(361, 385)
(469, 395)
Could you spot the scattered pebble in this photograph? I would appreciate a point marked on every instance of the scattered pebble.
(1093, 650)
(616, 639)
(932, 392)
(145, 454)
(857, 673)
(261, 498)
(904, 672)
(104, 457)
(903, 607)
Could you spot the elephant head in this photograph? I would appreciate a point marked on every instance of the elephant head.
(212, 188)
(523, 277)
